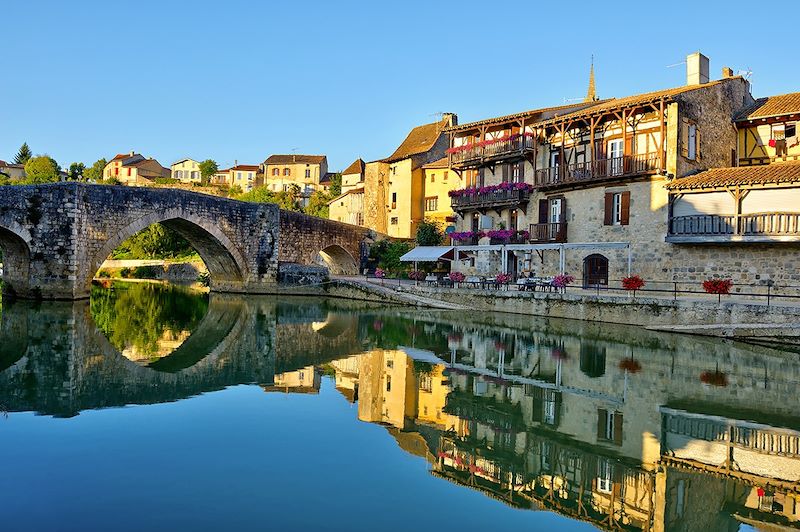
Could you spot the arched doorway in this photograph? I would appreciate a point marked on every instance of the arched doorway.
(595, 271)
(15, 260)
(339, 261)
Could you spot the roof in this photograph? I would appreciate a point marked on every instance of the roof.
(246, 167)
(776, 173)
(120, 156)
(326, 178)
(539, 114)
(356, 167)
(441, 163)
(637, 99)
(420, 140)
(359, 190)
(427, 254)
(295, 159)
(179, 161)
(782, 104)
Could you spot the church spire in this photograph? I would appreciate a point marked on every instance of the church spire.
(591, 93)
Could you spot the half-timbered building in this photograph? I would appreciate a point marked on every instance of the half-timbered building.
(588, 179)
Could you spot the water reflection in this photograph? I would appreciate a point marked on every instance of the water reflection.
(611, 425)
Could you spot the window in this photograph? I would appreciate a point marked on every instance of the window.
(276, 172)
(604, 481)
(444, 175)
(394, 170)
(394, 200)
(617, 208)
(249, 176)
(179, 174)
(433, 178)
(431, 204)
(390, 364)
(690, 140)
(609, 426)
(517, 172)
(129, 172)
(476, 222)
(287, 171)
(308, 172)
(393, 220)
(239, 176)
(513, 220)
(425, 382)
(388, 383)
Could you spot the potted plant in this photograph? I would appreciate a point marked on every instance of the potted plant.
(563, 280)
(380, 274)
(632, 283)
(718, 286)
(457, 277)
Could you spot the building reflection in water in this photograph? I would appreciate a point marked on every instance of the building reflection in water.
(616, 426)
(625, 435)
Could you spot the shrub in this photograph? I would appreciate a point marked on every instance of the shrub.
(457, 277)
(632, 283)
(503, 278)
(563, 280)
(417, 275)
(718, 286)
(379, 273)
(165, 181)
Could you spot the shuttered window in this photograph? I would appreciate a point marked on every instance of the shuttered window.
(617, 208)
(609, 426)
(690, 140)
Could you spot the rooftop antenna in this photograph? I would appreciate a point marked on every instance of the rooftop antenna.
(677, 64)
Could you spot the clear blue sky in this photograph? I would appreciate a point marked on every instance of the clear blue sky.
(239, 80)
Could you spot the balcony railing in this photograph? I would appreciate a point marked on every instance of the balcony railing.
(548, 232)
(497, 198)
(623, 166)
(493, 151)
(716, 226)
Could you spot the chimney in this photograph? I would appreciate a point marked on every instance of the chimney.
(696, 69)
(236, 162)
(132, 153)
(451, 118)
(727, 72)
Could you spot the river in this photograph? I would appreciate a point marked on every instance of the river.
(157, 407)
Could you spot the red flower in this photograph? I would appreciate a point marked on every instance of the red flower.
(634, 282)
(718, 286)
(630, 365)
(714, 378)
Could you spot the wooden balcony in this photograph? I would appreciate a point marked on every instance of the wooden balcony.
(759, 227)
(495, 152)
(601, 169)
(490, 200)
(548, 233)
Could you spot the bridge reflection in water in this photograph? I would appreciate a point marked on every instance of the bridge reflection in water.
(615, 426)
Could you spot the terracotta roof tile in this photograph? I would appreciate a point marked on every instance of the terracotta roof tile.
(357, 167)
(245, 167)
(788, 172)
(294, 159)
(537, 114)
(782, 104)
(419, 140)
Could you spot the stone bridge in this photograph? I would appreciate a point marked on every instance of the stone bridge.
(54, 237)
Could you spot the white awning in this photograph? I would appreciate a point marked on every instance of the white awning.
(428, 254)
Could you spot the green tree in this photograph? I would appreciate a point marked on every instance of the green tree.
(154, 242)
(429, 234)
(23, 155)
(336, 185)
(41, 169)
(286, 200)
(208, 168)
(76, 171)
(95, 172)
(318, 204)
(388, 253)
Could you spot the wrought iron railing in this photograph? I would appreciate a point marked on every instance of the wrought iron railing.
(548, 232)
(623, 166)
(496, 198)
(498, 149)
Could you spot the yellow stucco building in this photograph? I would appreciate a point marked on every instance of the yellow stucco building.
(186, 171)
(134, 169)
(437, 182)
(308, 172)
(348, 207)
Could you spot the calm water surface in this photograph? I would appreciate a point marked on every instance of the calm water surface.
(153, 407)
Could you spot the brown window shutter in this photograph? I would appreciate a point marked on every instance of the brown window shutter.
(628, 145)
(601, 423)
(697, 143)
(625, 215)
(544, 205)
(684, 140)
(563, 217)
(506, 173)
(618, 428)
(599, 150)
(609, 214)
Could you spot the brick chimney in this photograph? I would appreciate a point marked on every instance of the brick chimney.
(450, 118)
(727, 72)
(696, 69)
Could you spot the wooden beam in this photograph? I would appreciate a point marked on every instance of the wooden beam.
(662, 154)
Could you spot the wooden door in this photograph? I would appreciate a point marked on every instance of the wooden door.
(595, 271)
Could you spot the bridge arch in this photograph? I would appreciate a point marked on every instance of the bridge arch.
(225, 262)
(14, 243)
(338, 260)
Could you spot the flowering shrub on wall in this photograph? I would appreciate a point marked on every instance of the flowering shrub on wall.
(632, 283)
(718, 286)
(503, 278)
(417, 275)
(457, 277)
(467, 235)
(489, 189)
(379, 273)
(563, 280)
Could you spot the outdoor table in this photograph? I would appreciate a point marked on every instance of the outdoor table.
(431, 280)
(473, 281)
